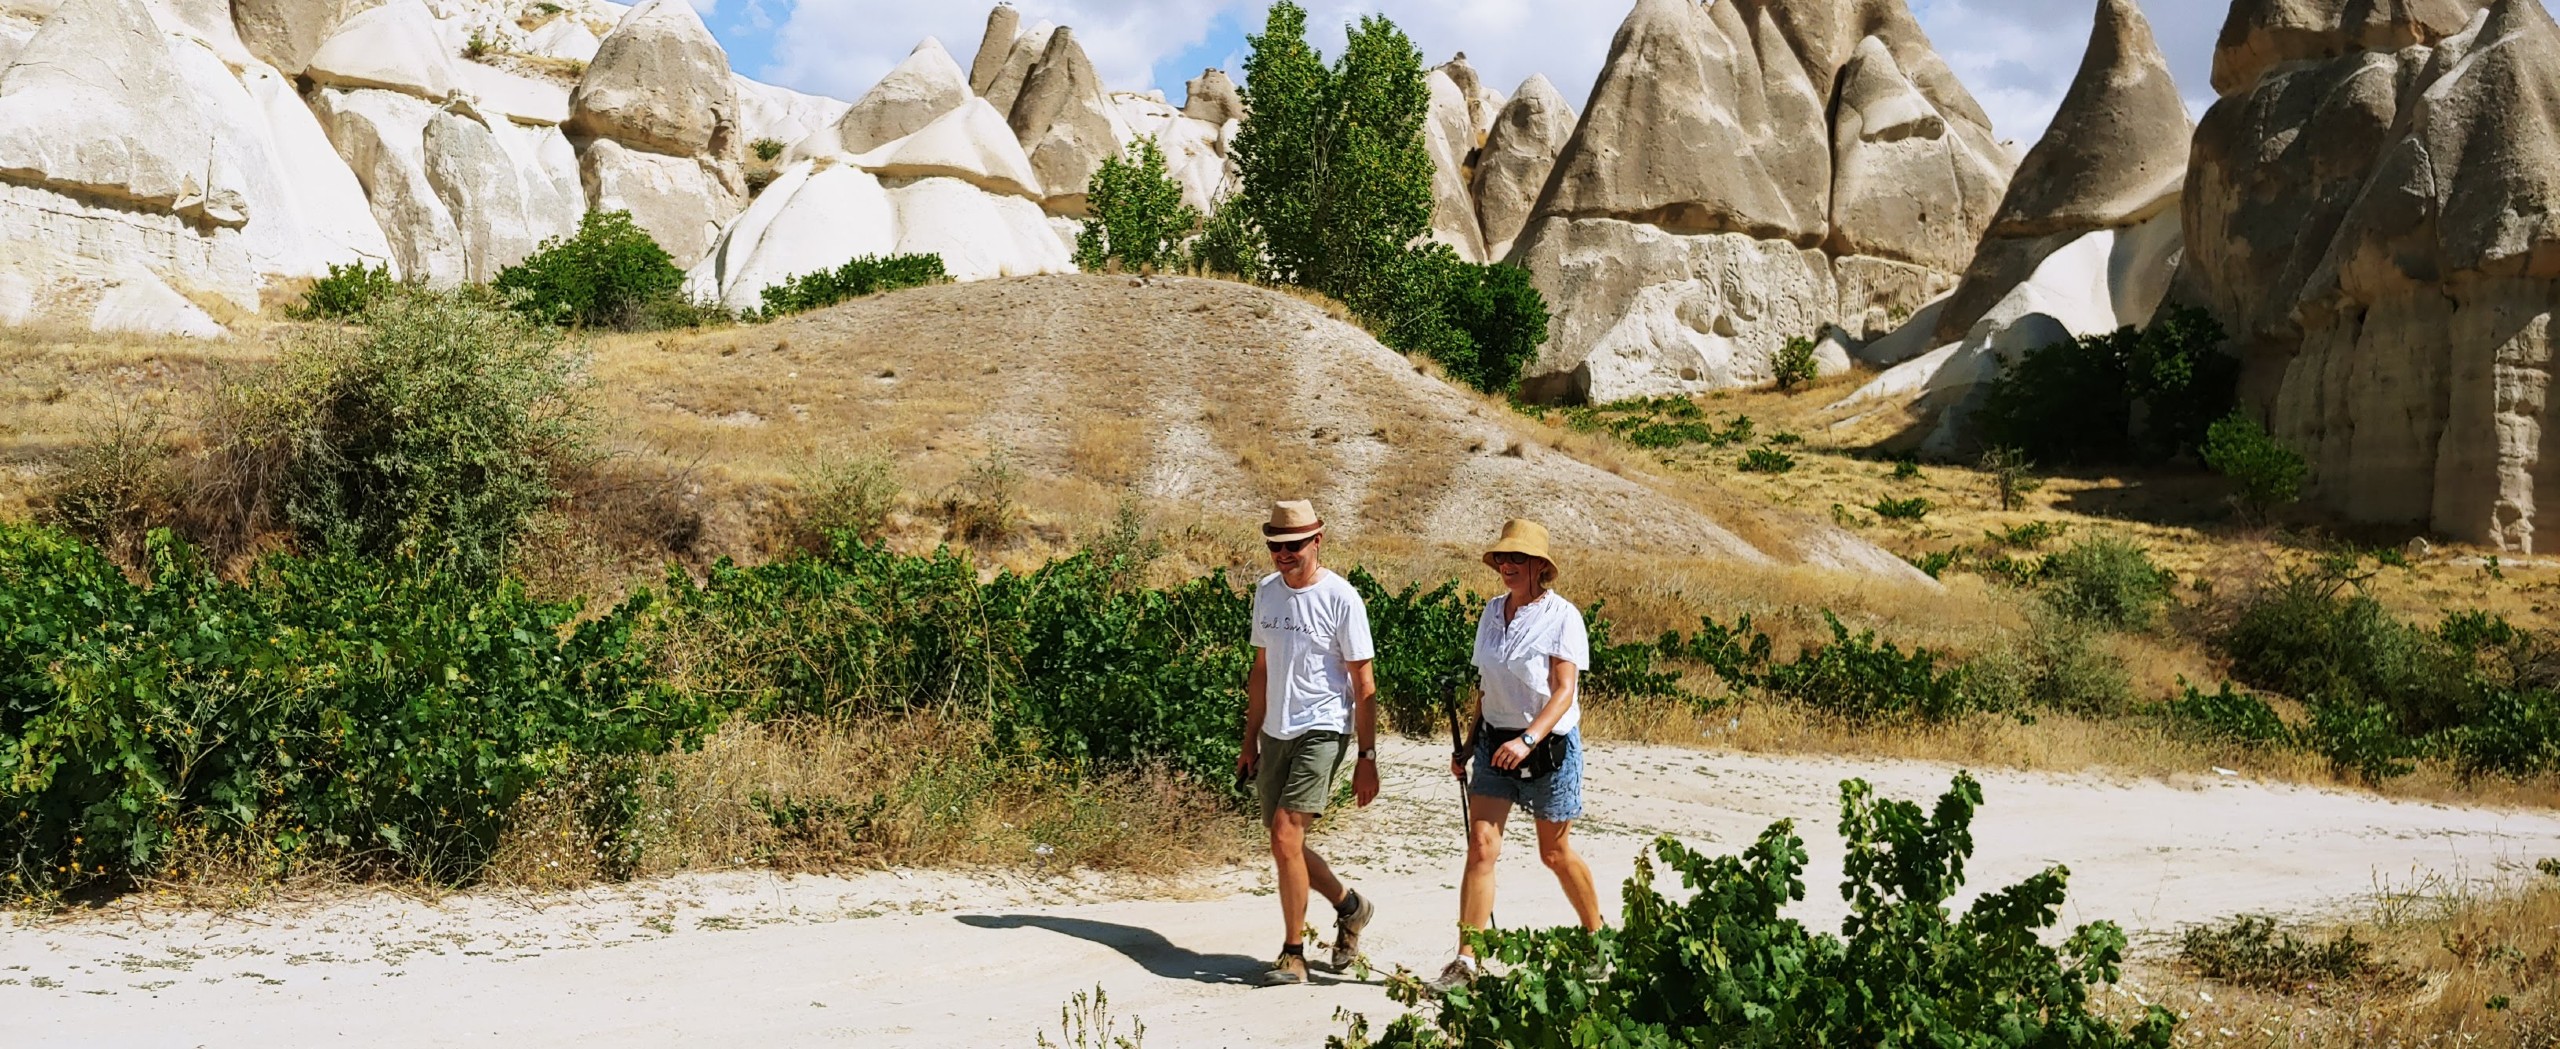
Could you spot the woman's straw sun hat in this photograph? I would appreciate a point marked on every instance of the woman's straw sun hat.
(1523, 537)
(1292, 520)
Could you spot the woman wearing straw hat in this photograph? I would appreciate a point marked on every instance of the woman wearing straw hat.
(1531, 649)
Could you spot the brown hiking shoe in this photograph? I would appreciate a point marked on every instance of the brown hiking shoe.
(1460, 972)
(1290, 970)
(1346, 931)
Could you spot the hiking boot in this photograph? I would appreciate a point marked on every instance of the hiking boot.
(1290, 970)
(1460, 972)
(1347, 923)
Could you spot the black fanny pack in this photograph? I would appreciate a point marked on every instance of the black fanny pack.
(1544, 758)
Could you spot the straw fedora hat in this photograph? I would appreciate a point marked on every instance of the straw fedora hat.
(1292, 520)
(1521, 536)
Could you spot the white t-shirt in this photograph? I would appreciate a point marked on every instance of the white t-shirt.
(1513, 659)
(1309, 639)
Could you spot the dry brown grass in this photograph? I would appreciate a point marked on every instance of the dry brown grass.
(2476, 967)
(913, 791)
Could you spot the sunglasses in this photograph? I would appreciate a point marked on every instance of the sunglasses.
(1292, 546)
(1508, 558)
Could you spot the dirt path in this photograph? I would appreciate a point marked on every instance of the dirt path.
(947, 960)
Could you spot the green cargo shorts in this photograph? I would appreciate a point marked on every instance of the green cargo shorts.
(1298, 774)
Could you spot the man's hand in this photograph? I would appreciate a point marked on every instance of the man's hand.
(1364, 782)
(1511, 755)
(1247, 758)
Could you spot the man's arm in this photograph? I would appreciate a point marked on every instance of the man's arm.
(1257, 689)
(1364, 724)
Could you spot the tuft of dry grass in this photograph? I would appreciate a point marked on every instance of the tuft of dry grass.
(2453, 965)
(921, 790)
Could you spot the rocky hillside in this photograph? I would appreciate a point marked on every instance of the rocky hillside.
(2368, 207)
(1199, 393)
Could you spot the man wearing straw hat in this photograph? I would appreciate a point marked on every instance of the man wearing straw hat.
(1309, 692)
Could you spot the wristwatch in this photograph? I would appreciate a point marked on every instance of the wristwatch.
(1530, 739)
(1369, 755)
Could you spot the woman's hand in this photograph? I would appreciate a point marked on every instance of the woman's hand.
(1458, 764)
(1511, 755)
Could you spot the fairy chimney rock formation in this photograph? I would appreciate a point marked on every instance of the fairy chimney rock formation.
(1003, 24)
(921, 89)
(1448, 135)
(2114, 156)
(1066, 123)
(1708, 206)
(1211, 96)
(2373, 210)
(656, 123)
(1518, 154)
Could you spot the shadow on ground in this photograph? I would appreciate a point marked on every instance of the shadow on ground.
(1147, 947)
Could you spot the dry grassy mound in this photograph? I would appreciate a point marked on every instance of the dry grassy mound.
(1201, 392)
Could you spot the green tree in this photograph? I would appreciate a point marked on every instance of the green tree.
(2270, 474)
(2125, 396)
(1139, 219)
(1335, 175)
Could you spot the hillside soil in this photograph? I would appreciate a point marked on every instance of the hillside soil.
(957, 959)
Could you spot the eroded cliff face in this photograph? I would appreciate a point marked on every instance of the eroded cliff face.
(1747, 172)
(2374, 211)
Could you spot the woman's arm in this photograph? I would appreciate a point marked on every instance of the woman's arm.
(1564, 685)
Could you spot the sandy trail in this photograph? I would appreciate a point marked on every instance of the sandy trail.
(952, 960)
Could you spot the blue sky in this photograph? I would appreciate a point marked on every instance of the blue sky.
(2017, 56)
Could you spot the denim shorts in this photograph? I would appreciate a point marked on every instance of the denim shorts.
(1552, 798)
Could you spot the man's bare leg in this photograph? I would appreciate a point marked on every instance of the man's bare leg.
(1299, 869)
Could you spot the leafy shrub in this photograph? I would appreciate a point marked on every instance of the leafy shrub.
(2013, 475)
(374, 713)
(346, 292)
(1794, 364)
(1765, 460)
(2056, 665)
(1660, 422)
(768, 149)
(1905, 470)
(1228, 244)
(434, 430)
(1431, 664)
(867, 275)
(2252, 951)
(2304, 638)
(1482, 323)
(2080, 401)
(604, 275)
(2028, 536)
(2229, 716)
(2269, 474)
(852, 496)
(1139, 220)
(2511, 733)
(1934, 562)
(1911, 509)
(1855, 677)
(985, 503)
(2361, 738)
(2107, 582)
(115, 486)
(1724, 967)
